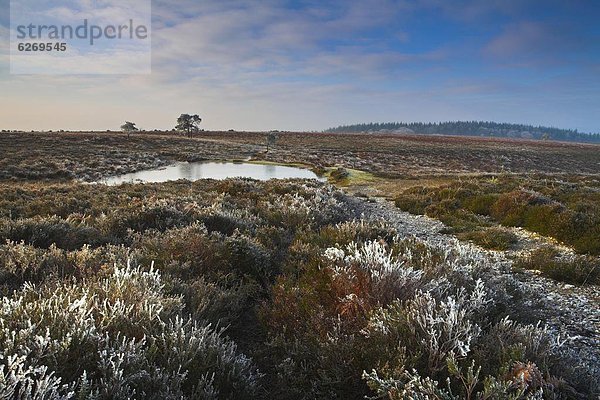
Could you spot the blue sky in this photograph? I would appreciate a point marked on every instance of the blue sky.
(309, 65)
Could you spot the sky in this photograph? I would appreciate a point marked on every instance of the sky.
(311, 65)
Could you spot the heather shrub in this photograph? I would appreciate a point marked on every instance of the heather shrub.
(480, 203)
(412, 203)
(249, 258)
(452, 214)
(20, 381)
(309, 243)
(161, 217)
(427, 330)
(563, 209)
(277, 240)
(416, 254)
(444, 349)
(20, 262)
(227, 214)
(224, 224)
(414, 315)
(512, 208)
(40, 232)
(186, 253)
(119, 337)
(294, 210)
(277, 270)
(192, 252)
(386, 276)
(221, 303)
(355, 231)
(315, 320)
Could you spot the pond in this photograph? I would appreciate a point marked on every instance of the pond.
(212, 170)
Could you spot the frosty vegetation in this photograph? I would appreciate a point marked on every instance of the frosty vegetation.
(240, 289)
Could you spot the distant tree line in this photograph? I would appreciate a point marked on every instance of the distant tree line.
(472, 128)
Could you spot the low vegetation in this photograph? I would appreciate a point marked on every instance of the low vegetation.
(91, 156)
(240, 289)
(573, 269)
(491, 238)
(566, 209)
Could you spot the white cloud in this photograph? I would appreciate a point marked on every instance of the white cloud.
(245, 64)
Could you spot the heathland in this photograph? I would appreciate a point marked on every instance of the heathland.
(427, 267)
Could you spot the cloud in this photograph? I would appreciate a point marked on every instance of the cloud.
(310, 64)
(538, 43)
(271, 40)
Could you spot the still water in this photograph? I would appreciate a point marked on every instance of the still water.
(213, 170)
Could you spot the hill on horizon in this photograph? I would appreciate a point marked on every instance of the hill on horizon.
(471, 128)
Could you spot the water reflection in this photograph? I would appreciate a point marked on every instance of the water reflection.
(213, 170)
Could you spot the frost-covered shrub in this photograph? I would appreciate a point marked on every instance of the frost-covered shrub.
(118, 337)
(340, 283)
(344, 233)
(19, 381)
(415, 314)
(574, 269)
(160, 216)
(440, 349)
(44, 231)
(186, 253)
(372, 264)
(20, 263)
(281, 269)
(191, 252)
(315, 321)
(319, 207)
(428, 330)
(492, 238)
(249, 258)
(463, 384)
(218, 303)
(224, 217)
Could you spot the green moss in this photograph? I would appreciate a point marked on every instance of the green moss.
(349, 177)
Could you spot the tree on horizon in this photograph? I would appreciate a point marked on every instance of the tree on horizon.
(129, 127)
(188, 124)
